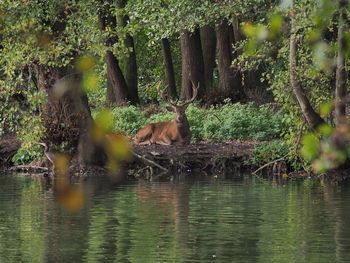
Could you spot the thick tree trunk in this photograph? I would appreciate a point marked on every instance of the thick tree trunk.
(116, 83)
(340, 84)
(192, 64)
(116, 79)
(312, 118)
(208, 40)
(67, 114)
(230, 81)
(110, 96)
(130, 69)
(169, 68)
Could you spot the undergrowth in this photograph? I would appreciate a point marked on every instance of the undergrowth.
(222, 123)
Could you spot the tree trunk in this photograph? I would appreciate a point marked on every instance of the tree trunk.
(130, 69)
(208, 40)
(116, 83)
(340, 84)
(192, 64)
(169, 68)
(67, 114)
(110, 96)
(236, 31)
(313, 119)
(116, 79)
(230, 81)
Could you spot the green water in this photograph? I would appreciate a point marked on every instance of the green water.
(204, 219)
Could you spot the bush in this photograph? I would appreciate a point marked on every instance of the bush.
(237, 121)
(265, 152)
(128, 119)
(227, 122)
(30, 149)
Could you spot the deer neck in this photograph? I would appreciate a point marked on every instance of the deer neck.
(183, 130)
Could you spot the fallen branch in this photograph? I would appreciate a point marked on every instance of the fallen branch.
(269, 163)
(28, 167)
(148, 161)
(283, 157)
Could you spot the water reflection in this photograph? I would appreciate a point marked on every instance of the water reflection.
(201, 220)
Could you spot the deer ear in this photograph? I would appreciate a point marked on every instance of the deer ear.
(169, 108)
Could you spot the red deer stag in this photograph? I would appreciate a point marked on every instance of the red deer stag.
(176, 131)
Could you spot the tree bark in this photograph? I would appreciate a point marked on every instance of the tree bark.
(313, 119)
(192, 64)
(68, 105)
(208, 40)
(169, 68)
(340, 84)
(116, 83)
(130, 69)
(229, 80)
(236, 31)
(116, 79)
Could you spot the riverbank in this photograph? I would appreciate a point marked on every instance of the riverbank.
(149, 161)
(201, 156)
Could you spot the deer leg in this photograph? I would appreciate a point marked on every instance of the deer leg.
(164, 141)
(147, 142)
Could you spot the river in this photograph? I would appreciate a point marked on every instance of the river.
(187, 219)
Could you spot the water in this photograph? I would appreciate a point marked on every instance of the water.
(244, 219)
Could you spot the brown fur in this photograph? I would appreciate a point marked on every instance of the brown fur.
(168, 132)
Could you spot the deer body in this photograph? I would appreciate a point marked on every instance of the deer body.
(168, 132)
(165, 133)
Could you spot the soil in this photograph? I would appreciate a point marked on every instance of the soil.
(201, 156)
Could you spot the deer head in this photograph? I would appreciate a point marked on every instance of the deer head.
(180, 108)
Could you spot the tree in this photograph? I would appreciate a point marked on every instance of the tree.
(130, 68)
(117, 86)
(230, 82)
(208, 40)
(340, 86)
(192, 64)
(313, 119)
(169, 68)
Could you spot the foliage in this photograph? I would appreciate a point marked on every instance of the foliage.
(29, 150)
(230, 121)
(128, 119)
(315, 31)
(265, 152)
(328, 147)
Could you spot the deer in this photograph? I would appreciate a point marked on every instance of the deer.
(172, 132)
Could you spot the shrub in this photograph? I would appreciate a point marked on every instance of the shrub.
(227, 122)
(265, 152)
(128, 119)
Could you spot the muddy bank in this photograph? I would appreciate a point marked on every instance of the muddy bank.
(161, 161)
(155, 159)
(207, 157)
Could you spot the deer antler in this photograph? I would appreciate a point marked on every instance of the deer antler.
(194, 94)
(164, 96)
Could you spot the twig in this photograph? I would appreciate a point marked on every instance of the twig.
(267, 164)
(149, 161)
(216, 116)
(28, 167)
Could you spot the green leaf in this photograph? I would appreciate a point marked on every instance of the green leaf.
(310, 146)
(325, 129)
(325, 109)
